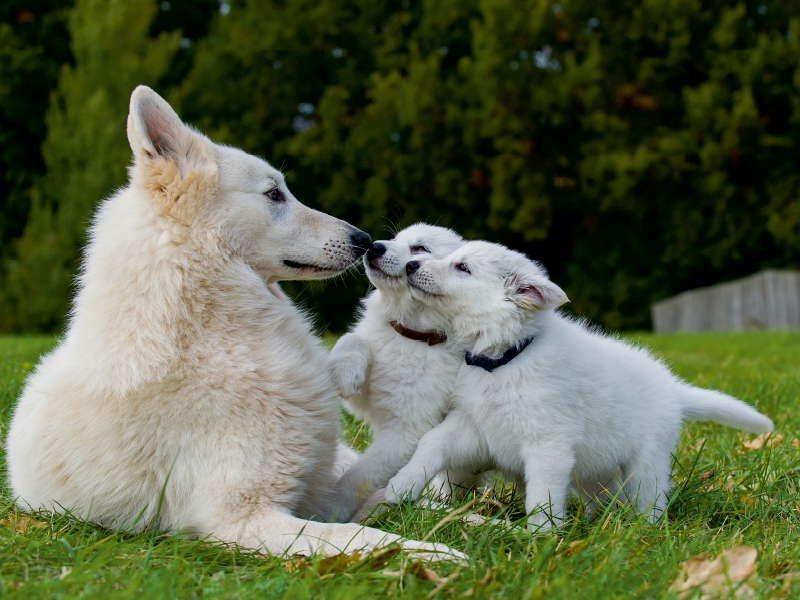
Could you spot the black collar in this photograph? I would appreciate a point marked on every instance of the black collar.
(419, 336)
(490, 364)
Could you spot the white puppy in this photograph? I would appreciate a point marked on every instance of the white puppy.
(394, 369)
(542, 396)
(188, 393)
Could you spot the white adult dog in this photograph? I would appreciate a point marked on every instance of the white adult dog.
(189, 393)
(394, 369)
(542, 396)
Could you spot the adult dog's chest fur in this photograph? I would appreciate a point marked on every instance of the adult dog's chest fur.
(277, 389)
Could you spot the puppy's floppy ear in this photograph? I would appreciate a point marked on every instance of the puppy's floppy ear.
(537, 293)
(153, 127)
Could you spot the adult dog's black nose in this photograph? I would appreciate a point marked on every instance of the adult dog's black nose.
(376, 249)
(412, 267)
(360, 241)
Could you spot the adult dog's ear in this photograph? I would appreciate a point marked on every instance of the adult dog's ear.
(537, 293)
(154, 129)
(173, 162)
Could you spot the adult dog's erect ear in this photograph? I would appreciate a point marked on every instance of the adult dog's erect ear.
(153, 127)
(173, 162)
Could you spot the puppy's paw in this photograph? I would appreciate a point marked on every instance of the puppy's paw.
(400, 487)
(539, 522)
(348, 364)
(348, 375)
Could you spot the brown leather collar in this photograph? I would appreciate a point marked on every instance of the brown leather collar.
(418, 336)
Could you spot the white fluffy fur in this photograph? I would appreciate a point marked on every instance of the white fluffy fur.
(397, 385)
(188, 393)
(574, 409)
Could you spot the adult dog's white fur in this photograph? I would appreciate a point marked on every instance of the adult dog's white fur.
(189, 393)
(574, 408)
(398, 385)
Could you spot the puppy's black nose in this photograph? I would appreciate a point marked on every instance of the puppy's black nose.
(412, 267)
(376, 249)
(360, 241)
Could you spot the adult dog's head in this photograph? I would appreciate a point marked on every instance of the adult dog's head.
(484, 292)
(198, 187)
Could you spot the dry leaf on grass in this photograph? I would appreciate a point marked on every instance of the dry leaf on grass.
(338, 563)
(706, 475)
(733, 569)
(297, 563)
(419, 570)
(422, 572)
(20, 523)
(769, 438)
(323, 566)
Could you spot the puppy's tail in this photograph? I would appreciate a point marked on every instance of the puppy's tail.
(709, 405)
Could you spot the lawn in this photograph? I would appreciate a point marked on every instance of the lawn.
(726, 494)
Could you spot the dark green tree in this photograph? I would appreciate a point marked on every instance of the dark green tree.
(85, 151)
(33, 45)
(636, 148)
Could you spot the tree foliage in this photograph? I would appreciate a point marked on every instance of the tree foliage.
(33, 44)
(85, 151)
(636, 148)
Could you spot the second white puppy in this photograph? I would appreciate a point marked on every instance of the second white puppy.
(544, 397)
(394, 369)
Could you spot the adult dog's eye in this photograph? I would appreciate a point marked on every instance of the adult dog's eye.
(463, 267)
(275, 195)
(418, 249)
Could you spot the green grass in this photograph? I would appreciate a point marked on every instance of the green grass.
(750, 498)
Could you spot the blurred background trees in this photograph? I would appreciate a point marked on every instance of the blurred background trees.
(638, 149)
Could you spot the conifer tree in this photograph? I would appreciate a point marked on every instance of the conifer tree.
(33, 45)
(85, 152)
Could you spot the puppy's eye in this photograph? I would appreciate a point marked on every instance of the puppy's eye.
(418, 249)
(463, 267)
(275, 195)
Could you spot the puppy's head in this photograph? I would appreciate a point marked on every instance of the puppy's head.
(385, 261)
(205, 191)
(484, 291)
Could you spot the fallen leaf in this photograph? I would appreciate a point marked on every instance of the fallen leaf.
(423, 572)
(296, 563)
(378, 559)
(706, 475)
(734, 568)
(795, 443)
(768, 438)
(20, 523)
(419, 570)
